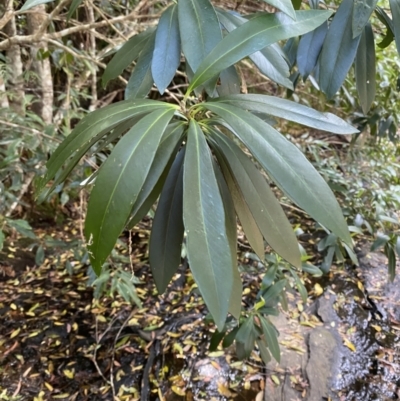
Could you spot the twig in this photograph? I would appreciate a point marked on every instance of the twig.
(29, 39)
(126, 321)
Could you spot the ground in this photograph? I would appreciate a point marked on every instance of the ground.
(58, 342)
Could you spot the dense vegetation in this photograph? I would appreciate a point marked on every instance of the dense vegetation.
(196, 107)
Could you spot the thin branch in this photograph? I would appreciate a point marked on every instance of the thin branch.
(29, 39)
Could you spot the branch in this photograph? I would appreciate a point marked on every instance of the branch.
(8, 14)
(39, 37)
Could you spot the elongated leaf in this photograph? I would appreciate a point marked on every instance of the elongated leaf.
(200, 30)
(166, 237)
(246, 336)
(338, 51)
(389, 251)
(271, 338)
(385, 19)
(272, 293)
(287, 166)
(362, 10)
(158, 172)
(230, 82)
(395, 8)
(128, 53)
(310, 46)
(118, 184)
(285, 6)
(397, 246)
(254, 35)
(270, 60)
(365, 69)
(247, 220)
(235, 302)
(167, 50)
(141, 80)
(289, 110)
(261, 201)
(120, 129)
(209, 252)
(32, 3)
(91, 129)
(74, 6)
(265, 355)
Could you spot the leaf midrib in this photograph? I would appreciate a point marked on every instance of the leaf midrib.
(280, 157)
(232, 50)
(119, 178)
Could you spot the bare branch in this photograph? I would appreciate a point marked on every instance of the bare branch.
(29, 39)
(8, 14)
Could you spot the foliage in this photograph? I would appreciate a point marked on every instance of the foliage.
(190, 155)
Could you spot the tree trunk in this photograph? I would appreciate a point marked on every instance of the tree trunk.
(43, 106)
(15, 82)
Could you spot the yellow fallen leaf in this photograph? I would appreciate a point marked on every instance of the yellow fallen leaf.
(376, 327)
(360, 286)
(69, 373)
(350, 345)
(49, 386)
(178, 390)
(15, 333)
(275, 379)
(318, 290)
(224, 390)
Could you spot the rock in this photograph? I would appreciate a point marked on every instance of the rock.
(322, 360)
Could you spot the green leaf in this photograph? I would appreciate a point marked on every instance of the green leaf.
(285, 6)
(310, 46)
(128, 53)
(39, 257)
(265, 355)
(397, 246)
(395, 8)
(271, 337)
(90, 130)
(208, 247)
(141, 80)
(389, 251)
(287, 166)
(362, 10)
(158, 172)
(272, 293)
(380, 241)
(167, 50)
(215, 340)
(32, 3)
(300, 286)
(254, 35)
(289, 110)
(118, 184)
(229, 82)
(365, 69)
(246, 336)
(338, 51)
(166, 237)
(261, 201)
(311, 269)
(74, 6)
(385, 19)
(235, 302)
(250, 227)
(200, 30)
(270, 60)
(2, 238)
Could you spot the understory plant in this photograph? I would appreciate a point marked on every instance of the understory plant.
(198, 158)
